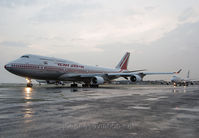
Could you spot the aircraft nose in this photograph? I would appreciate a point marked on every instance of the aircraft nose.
(7, 66)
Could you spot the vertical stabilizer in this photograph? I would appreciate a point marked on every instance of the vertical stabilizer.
(123, 64)
(188, 73)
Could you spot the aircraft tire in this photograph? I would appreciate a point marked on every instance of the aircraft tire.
(85, 85)
(73, 86)
(29, 84)
(94, 86)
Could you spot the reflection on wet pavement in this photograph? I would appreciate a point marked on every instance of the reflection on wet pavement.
(127, 111)
(28, 111)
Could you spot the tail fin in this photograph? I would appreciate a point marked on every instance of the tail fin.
(123, 64)
(178, 71)
(188, 73)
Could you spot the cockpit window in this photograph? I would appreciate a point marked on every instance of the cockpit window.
(25, 57)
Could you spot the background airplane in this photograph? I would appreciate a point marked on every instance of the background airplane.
(179, 81)
(57, 71)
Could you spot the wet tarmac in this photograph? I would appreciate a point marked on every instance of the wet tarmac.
(107, 112)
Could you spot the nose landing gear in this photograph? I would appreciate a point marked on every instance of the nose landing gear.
(29, 82)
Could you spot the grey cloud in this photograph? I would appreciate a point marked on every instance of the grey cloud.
(63, 11)
(189, 12)
(14, 3)
(13, 44)
(186, 35)
(72, 11)
(178, 48)
(150, 8)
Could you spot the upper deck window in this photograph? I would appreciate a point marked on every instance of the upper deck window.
(46, 59)
(25, 57)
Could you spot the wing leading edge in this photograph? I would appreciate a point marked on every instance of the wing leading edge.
(110, 76)
(141, 74)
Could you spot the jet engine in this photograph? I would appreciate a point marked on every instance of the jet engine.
(97, 80)
(55, 82)
(51, 82)
(135, 78)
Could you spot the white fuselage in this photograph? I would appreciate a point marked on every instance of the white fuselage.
(55, 70)
(177, 80)
(47, 68)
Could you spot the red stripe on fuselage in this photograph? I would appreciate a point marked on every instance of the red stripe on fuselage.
(55, 68)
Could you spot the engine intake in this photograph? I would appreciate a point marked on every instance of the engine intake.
(135, 78)
(97, 80)
(50, 82)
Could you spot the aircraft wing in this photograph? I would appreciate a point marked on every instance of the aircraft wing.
(114, 75)
(134, 71)
(79, 76)
(141, 74)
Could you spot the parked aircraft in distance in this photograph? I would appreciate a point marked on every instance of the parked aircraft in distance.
(57, 71)
(179, 81)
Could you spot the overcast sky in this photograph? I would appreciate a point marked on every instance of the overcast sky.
(162, 35)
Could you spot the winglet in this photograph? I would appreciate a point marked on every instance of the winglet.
(123, 62)
(178, 71)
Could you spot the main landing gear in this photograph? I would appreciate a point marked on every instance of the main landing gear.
(89, 85)
(29, 82)
(94, 86)
(74, 85)
(85, 85)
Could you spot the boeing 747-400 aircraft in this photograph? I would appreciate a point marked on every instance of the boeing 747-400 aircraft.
(54, 70)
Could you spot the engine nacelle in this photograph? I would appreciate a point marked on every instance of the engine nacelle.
(97, 80)
(51, 82)
(135, 78)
